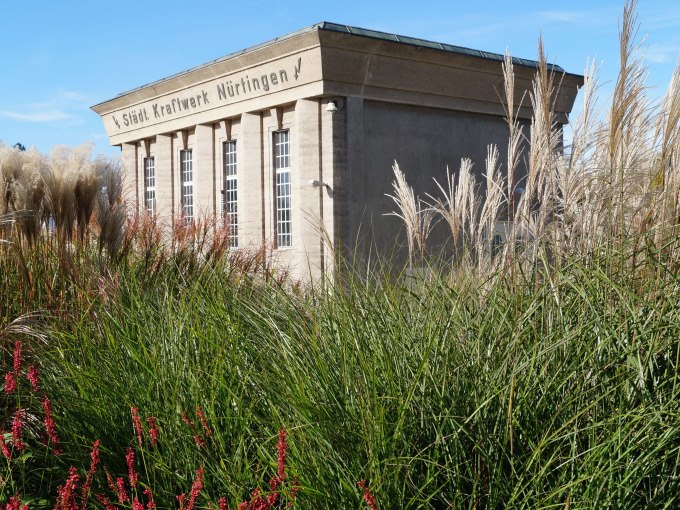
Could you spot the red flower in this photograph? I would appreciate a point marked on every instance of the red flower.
(282, 449)
(50, 426)
(294, 492)
(136, 505)
(94, 463)
(199, 440)
(368, 495)
(66, 494)
(105, 502)
(17, 358)
(204, 424)
(14, 503)
(222, 503)
(137, 424)
(153, 430)
(196, 489)
(132, 474)
(17, 427)
(257, 502)
(182, 499)
(10, 383)
(151, 503)
(122, 493)
(5, 449)
(187, 421)
(32, 376)
(111, 482)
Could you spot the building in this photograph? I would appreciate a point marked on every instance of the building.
(293, 140)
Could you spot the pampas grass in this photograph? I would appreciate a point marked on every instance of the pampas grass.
(417, 217)
(616, 187)
(67, 190)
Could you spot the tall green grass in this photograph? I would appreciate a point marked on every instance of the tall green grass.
(544, 375)
(559, 391)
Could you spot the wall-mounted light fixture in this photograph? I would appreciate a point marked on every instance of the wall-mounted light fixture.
(334, 105)
(316, 183)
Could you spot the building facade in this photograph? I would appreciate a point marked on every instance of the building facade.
(292, 141)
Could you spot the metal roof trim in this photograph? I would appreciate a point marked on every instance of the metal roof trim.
(359, 32)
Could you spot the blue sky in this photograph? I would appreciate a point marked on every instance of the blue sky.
(59, 58)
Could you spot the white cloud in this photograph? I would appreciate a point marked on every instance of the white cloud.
(662, 53)
(565, 16)
(669, 19)
(45, 116)
(73, 96)
(478, 28)
(65, 107)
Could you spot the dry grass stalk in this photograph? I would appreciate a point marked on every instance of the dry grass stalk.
(493, 201)
(459, 205)
(417, 219)
(618, 180)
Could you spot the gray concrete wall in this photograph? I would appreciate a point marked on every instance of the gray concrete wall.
(424, 141)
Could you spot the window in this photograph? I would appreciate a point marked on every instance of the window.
(187, 184)
(230, 192)
(150, 185)
(284, 223)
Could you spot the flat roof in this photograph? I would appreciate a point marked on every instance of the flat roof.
(361, 32)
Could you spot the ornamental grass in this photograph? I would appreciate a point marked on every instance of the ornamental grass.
(151, 370)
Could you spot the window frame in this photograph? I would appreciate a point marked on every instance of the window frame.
(149, 185)
(283, 188)
(229, 206)
(186, 181)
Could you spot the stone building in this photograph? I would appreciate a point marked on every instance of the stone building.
(293, 140)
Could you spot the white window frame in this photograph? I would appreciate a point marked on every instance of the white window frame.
(230, 190)
(186, 176)
(150, 185)
(283, 189)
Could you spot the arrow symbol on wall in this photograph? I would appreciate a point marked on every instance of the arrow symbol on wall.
(297, 68)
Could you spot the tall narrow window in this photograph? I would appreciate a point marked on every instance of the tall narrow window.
(284, 223)
(230, 193)
(187, 184)
(150, 185)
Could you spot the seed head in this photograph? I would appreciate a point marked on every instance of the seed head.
(10, 382)
(32, 376)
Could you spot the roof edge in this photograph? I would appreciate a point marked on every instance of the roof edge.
(359, 32)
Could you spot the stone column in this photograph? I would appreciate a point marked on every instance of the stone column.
(308, 212)
(250, 182)
(204, 171)
(130, 176)
(357, 225)
(334, 171)
(164, 176)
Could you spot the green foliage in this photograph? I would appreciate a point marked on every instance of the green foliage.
(557, 389)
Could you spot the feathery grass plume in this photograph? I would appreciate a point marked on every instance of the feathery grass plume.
(111, 212)
(10, 169)
(667, 142)
(493, 201)
(516, 136)
(577, 173)
(537, 207)
(60, 192)
(514, 153)
(407, 207)
(627, 129)
(86, 190)
(22, 187)
(418, 221)
(459, 207)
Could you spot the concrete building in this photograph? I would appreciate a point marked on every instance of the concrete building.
(293, 140)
